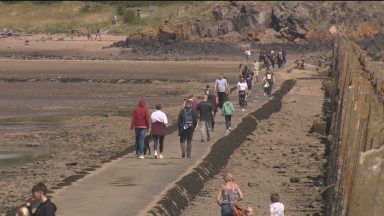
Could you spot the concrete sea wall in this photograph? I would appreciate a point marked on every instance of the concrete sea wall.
(355, 169)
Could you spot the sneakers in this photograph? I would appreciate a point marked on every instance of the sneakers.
(242, 110)
(161, 156)
(141, 157)
(229, 128)
(227, 131)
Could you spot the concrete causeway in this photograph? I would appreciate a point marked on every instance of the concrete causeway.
(130, 186)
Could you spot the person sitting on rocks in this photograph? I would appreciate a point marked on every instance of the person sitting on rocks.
(46, 207)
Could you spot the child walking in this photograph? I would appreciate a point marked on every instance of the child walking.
(276, 208)
(227, 112)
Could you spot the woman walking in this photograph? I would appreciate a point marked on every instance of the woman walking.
(186, 123)
(242, 91)
(158, 130)
(227, 111)
(229, 194)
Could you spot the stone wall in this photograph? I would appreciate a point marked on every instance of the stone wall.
(355, 172)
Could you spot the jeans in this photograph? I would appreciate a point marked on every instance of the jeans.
(213, 119)
(221, 98)
(242, 95)
(228, 121)
(139, 138)
(186, 136)
(158, 139)
(205, 130)
(226, 210)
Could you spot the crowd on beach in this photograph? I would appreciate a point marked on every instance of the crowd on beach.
(153, 128)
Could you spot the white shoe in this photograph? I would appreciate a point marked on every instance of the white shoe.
(242, 110)
(161, 156)
(229, 128)
(156, 157)
(141, 157)
(227, 131)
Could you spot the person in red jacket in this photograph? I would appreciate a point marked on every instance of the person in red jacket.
(140, 122)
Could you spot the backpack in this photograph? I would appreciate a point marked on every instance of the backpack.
(188, 117)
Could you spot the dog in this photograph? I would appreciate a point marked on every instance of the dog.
(147, 140)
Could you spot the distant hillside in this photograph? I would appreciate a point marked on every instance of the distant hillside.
(52, 17)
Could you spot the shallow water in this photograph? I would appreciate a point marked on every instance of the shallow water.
(12, 158)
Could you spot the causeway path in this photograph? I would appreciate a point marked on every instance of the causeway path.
(130, 186)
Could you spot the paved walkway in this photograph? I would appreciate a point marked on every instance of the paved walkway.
(129, 186)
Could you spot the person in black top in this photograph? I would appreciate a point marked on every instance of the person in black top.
(213, 100)
(205, 113)
(187, 122)
(46, 207)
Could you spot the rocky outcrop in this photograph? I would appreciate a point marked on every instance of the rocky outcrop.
(355, 174)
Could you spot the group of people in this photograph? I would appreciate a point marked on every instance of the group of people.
(192, 114)
(230, 194)
(270, 58)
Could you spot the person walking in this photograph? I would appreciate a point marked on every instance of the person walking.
(221, 87)
(256, 66)
(270, 78)
(205, 114)
(158, 130)
(187, 122)
(249, 80)
(98, 34)
(140, 122)
(229, 195)
(247, 54)
(242, 92)
(228, 111)
(213, 100)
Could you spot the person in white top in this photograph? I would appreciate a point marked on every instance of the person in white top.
(242, 91)
(276, 208)
(159, 123)
(247, 54)
(256, 66)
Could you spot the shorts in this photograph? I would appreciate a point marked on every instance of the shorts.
(249, 87)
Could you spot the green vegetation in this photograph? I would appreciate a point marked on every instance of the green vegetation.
(125, 112)
(33, 120)
(53, 17)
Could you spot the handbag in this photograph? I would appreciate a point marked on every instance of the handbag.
(236, 209)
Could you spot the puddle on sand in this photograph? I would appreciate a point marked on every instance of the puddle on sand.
(13, 158)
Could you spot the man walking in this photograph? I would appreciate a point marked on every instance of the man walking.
(205, 114)
(140, 122)
(221, 87)
(213, 100)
